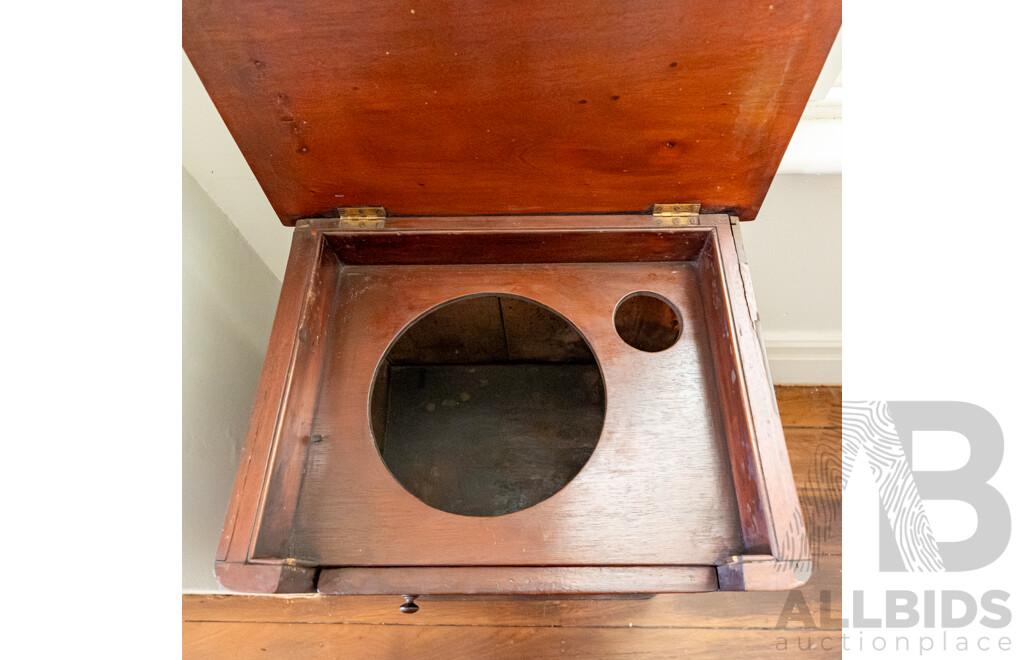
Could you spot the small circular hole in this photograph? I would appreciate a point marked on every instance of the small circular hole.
(647, 322)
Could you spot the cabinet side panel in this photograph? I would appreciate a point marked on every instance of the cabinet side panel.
(740, 440)
(292, 435)
(789, 543)
(242, 509)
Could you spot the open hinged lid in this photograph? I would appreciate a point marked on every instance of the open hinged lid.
(497, 107)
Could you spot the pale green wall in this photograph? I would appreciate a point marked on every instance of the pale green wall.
(228, 301)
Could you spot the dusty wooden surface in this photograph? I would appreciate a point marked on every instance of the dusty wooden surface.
(351, 512)
(712, 625)
(662, 427)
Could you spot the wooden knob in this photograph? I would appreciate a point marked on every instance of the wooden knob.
(409, 607)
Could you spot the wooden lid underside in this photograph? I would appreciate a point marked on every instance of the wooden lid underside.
(491, 107)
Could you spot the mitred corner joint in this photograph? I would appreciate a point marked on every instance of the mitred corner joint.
(762, 573)
(266, 578)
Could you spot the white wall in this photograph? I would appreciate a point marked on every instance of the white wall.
(210, 154)
(228, 301)
(794, 248)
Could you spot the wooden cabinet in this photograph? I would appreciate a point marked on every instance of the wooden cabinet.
(500, 368)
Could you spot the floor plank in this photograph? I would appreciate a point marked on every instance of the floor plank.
(816, 457)
(816, 406)
(324, 640)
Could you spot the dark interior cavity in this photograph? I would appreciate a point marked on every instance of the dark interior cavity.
(647, 322)
(487, 405)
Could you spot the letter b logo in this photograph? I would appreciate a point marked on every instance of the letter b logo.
(883, 432)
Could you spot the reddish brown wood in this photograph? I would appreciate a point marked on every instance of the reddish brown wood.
(482, 244)
(274, 450)
(265, 578)
(503, 107)
(721, 609)
(774, 477)
(647, 322)
(539, 580)
(694, 615)
(295, 418)
(501, 227)
(276, 374)
(691, 420)
(656, 490)
(742, 448)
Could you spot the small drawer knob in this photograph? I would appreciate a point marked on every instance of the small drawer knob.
(409, 607)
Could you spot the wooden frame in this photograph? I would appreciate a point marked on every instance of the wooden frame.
(255, 551)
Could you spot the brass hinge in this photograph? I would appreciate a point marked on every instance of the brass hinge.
(676, 214)
(361, 217)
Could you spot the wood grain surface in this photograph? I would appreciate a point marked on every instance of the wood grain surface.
(509, 107)
(712, 625)
(667, 499)
(300, 284)
(531, 580)
(248, 640)
(657, 490)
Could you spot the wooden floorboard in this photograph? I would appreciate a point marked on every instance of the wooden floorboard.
(324, 640)
(816, 406)
(714, 625)
(816, 456)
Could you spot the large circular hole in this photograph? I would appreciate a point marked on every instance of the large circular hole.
(487, 405)
(647, 322)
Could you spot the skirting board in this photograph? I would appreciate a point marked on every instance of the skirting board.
(805, 359)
